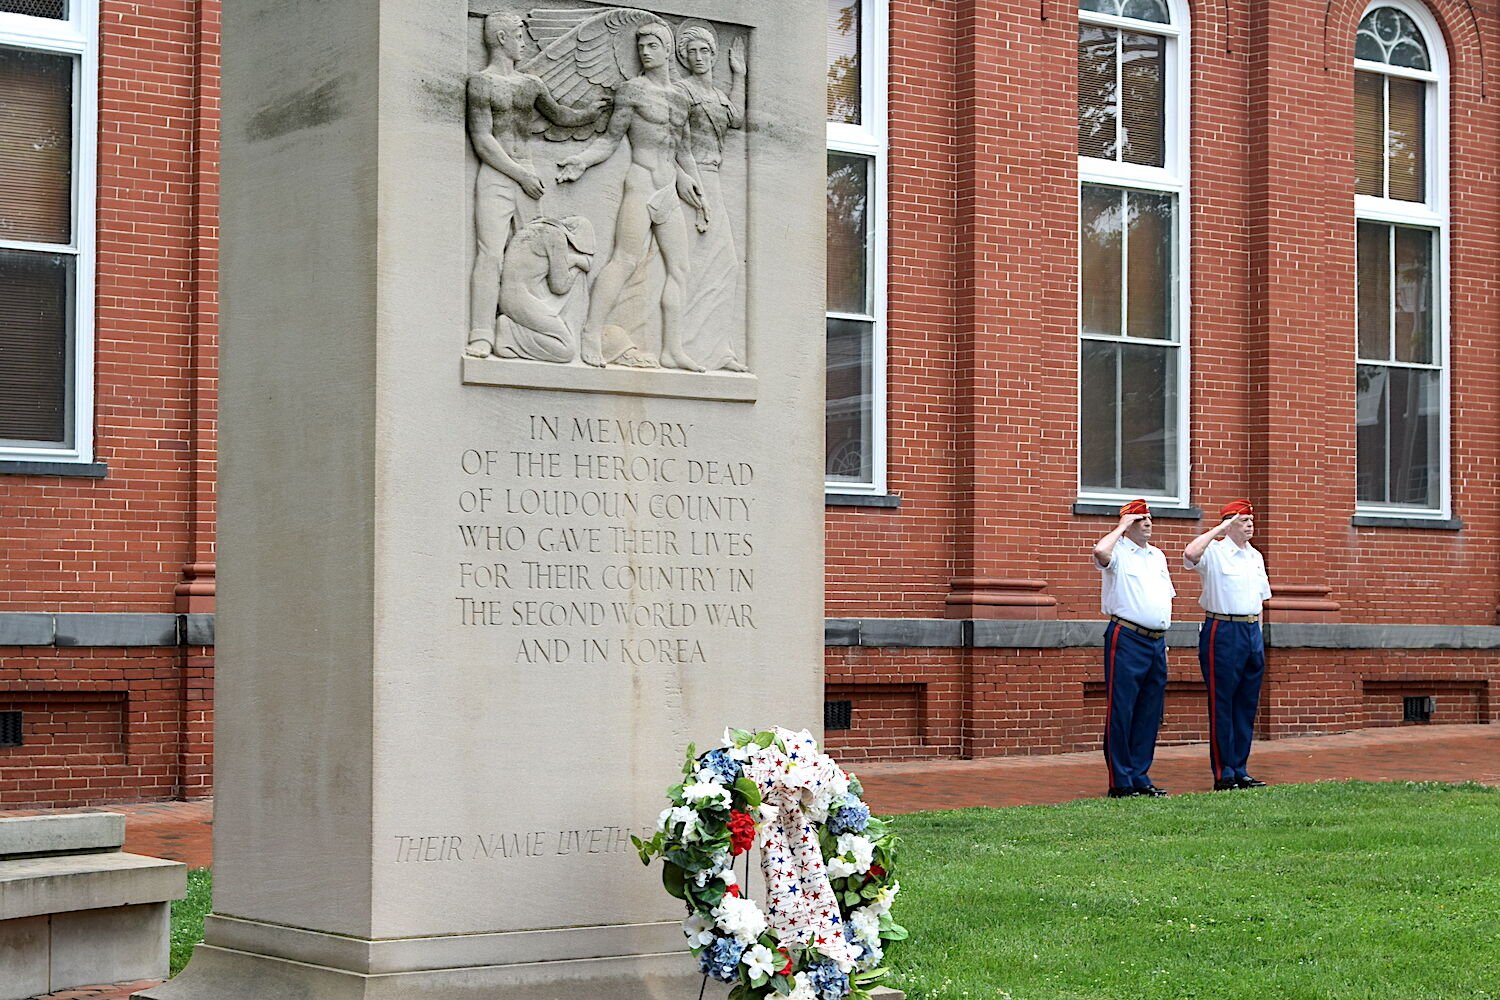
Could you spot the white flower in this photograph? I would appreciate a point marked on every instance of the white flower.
(728, 874)
(708, 793)
(741, 918)
(860, 849)
(881, 904)
(681, 816)
(759, 961)
(802, 988)
(698, 929)
(661, 821)
(839, 868)
(866, 924)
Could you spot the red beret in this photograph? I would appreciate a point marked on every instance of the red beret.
(1135, 507)
(1236, 507)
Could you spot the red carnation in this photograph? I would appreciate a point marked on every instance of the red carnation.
(732, 890)
(741, 832)
(876, 872)
(787, 970)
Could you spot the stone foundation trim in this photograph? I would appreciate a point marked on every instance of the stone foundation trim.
(916, 633)
(114, 629)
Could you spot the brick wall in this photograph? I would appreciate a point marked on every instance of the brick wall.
(120, 544)
(988, 703)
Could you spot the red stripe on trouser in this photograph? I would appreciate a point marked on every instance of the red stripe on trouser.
(1109, 703)
(1213, 706)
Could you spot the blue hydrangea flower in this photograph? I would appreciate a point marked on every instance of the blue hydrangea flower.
(721, 960)
(724, 767)
(851, 817)
(828, 982)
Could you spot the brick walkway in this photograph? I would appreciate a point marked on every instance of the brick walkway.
(182, 830)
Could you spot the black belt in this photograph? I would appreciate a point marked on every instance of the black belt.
(1232, 618)
(1149, 633)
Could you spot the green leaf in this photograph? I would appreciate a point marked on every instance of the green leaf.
(870, 891)
(851, 899)
(782, 985)
(749, 789)
(740, 992)
(894, 933)
(765, 739)
(674, 880)
(758, 980)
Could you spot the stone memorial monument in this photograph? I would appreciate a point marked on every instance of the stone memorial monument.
(521, 477)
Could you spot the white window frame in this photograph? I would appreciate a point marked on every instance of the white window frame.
(76, 36)
(1430, 214)
(870, 138)
(1170, 178)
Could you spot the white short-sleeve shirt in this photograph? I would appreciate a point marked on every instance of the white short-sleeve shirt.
(1234, 578)
(1136, 585)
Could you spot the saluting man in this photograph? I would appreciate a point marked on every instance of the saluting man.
(1231, 651)
(1137, 596)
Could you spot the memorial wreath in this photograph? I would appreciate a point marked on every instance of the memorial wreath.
(828, 867)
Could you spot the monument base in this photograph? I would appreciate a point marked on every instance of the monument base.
(251, 960)
(223, 974)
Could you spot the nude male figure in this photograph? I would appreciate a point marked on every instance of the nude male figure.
(652, 113)
(502, 104)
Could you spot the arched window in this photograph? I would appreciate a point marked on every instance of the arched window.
(1132, 149)
(1400, 151)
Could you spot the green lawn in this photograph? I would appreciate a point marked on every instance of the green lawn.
(1335, 891)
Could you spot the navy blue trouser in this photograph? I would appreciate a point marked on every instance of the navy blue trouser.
(1135, 679)
(1232, 656)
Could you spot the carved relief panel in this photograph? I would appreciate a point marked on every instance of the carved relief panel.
(608, 155)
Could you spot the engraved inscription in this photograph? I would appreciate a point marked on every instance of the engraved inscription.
(514, 845)
(605, 541)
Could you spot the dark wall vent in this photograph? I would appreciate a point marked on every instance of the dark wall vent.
(838, 714)
(10, 729)
(1418, 709)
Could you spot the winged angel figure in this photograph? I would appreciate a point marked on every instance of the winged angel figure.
(626, 53)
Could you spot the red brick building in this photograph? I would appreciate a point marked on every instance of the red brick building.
(1188, 251)
(1185, 251)
(108, 244)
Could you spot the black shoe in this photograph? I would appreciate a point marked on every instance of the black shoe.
(1227, 784)
(1125, 793)
(1155, 791)
(1249, 782)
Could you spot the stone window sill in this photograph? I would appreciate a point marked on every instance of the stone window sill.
(1090, 509)
(80, 470)
(1397, 521)
(886, 500)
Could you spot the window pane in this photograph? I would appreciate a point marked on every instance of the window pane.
(1144, 10)
(1148, 418)
(1414, 285)
(1371, 422)
(848, 233)
(851, 375)
(1414, 414)
(1373, 287)
(1390, 36)
(1101, 214)
(1143, 105)
(36, 146)
(35, 292)
(1369, 134)
(1128, 418)
(57, 9)
(1408, 138)
(1097, 113)
(1098, 413)
(843, 62)
(1149, 287)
